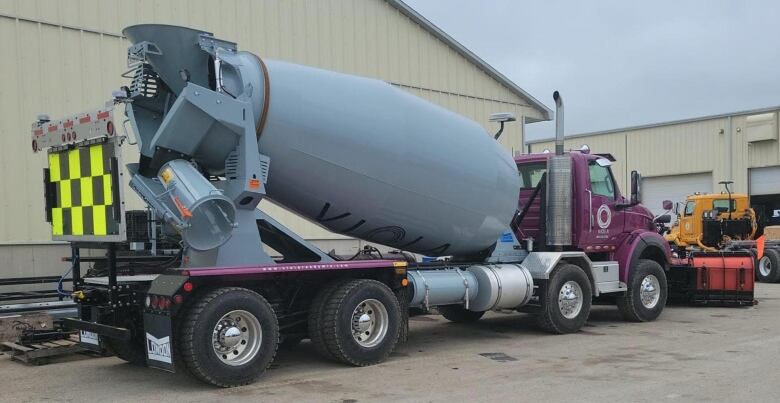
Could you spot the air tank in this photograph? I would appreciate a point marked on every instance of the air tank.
(359, 156)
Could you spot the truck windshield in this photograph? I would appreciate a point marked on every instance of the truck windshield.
(530, 174)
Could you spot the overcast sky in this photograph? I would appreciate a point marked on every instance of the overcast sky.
(623, 63)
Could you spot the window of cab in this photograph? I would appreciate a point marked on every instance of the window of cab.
(531, 174)
(722, 205)
(601, 182)
(690, 207)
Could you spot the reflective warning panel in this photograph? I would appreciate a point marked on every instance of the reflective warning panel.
(83, 192)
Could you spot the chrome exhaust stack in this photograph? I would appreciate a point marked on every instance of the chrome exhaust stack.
(559, 187)
(558, 123)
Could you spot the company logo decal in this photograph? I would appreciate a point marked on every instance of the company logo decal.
(604, 216)
(158, 349)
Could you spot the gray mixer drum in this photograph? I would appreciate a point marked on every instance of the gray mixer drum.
(363, 158)
(358, 156)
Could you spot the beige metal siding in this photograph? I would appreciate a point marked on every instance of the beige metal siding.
(65, 57)
(696, 146)
(44, 68)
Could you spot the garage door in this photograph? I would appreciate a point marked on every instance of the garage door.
(675, 188)
(764, 181)
(765, 194)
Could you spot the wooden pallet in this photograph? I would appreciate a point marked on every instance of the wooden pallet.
(40, 353)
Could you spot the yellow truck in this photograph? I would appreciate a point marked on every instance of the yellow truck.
(724, 221)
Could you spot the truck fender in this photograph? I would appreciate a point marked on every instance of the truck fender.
(642, 244)
(541, 264)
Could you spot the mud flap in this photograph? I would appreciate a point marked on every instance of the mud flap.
(158, 323)
(159, 341)
(403, 298)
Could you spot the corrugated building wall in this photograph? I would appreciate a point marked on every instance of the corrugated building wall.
(66, 57)
(748, 139)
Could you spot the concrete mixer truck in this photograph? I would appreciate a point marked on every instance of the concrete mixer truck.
(219, 129)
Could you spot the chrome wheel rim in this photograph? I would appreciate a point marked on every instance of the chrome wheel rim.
(570, 299)
(237, 337)
(369, 323)
(765, 266)
(650, 291)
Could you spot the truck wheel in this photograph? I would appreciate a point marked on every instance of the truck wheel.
(566, 305)
(316, 312)
(769, 266)
(646, 296)
(361, 322)
(229, 337)
(459, 314)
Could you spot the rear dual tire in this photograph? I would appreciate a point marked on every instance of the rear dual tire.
(229, 337)
(357, 322)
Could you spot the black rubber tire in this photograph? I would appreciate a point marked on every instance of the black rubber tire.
(630, 303)
(131, 351)
(337, 322)
(196, 332)
(551, 319)
(772, 256)
(315, 318)
(459, 314)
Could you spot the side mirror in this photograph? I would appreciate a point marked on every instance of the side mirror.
(667, 205)
(677, 208)
(636, 187)
(663, 219)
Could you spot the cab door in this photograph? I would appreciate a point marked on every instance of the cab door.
(689, 230)
(606, 221)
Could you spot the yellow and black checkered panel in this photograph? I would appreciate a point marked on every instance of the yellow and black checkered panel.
(83, 191)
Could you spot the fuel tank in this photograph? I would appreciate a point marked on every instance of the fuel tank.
(356, 155)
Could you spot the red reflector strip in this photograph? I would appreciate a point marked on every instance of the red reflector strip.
(68, 124)
(102, 115)
(85, 119)
(38, 132)
(52, 128)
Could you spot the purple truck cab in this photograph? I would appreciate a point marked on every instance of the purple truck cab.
(606, 225)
